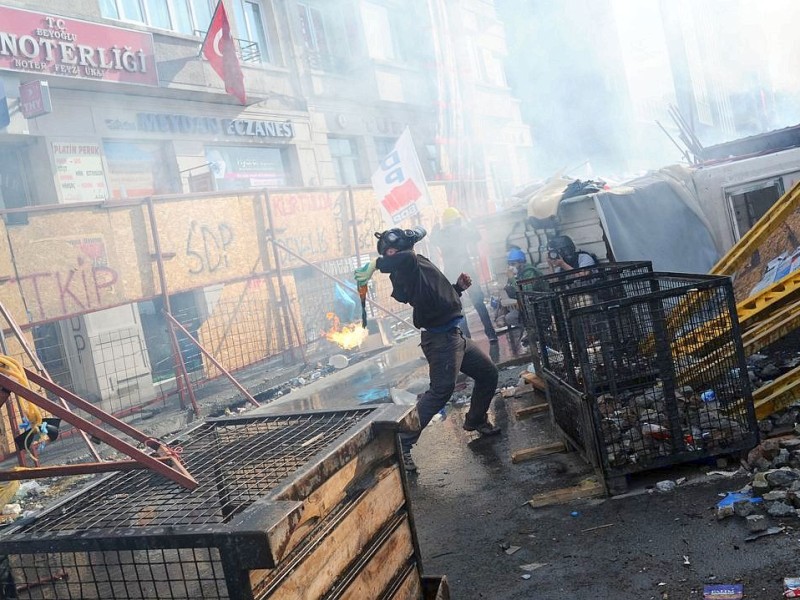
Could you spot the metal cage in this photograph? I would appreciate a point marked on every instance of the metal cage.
(653, 372)
(279, 496)
(541, 314)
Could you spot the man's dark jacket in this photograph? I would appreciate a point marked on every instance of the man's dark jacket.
(417, 281)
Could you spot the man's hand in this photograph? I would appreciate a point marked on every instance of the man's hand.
(464, 281)
(559, 263)
(364, 273)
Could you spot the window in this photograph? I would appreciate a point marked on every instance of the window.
(325, 36)
(235, 167)
(749, 203)
(346, 164)
(14, 191)
(378, 31)
(383, 146)
(250, 21)
(138, 169)
(191, 17)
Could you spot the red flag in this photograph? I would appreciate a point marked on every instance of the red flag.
(220, 51)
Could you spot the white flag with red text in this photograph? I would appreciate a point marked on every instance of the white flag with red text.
(220, 51)
(399, 182)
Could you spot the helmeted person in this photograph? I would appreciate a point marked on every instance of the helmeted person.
(438, 313)
(519, 269)
(563, 256)
(457, 242)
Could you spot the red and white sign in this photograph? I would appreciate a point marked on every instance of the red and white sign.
(34, 99)
(33, 42)
(399, 182)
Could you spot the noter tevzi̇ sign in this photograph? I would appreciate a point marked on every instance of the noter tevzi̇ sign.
(45, 44)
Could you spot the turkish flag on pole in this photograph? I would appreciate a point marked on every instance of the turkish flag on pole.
(220, 51)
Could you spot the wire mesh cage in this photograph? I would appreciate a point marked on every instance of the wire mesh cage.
(243, 532)
(654, 372)
(541, 314)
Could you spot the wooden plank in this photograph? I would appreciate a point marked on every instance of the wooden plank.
(387, 562)
(534, 380)
(411, 588)
(536, 409)
(319, 503)
(588, 488)
(529, 453)
(316, 572)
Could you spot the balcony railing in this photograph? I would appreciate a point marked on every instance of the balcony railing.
(248, 51)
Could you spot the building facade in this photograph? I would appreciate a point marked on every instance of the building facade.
(134, 189)
(132, 110)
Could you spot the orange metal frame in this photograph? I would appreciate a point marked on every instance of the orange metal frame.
(164, 461)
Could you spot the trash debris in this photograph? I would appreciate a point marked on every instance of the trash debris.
(726, 506)
(597, 527)
(727, 591)
(512, 549)
(686, 560)
(666, 486)
(791, 587)
(574, 513)
(770, 531)
(532, 566)
(526, 576)
(508, 392)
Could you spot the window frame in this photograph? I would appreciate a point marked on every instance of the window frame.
(197, 29)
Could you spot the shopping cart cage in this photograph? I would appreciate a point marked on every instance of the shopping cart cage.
(651, 373)
(277, 495)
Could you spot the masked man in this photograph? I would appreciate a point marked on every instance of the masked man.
(437, 312)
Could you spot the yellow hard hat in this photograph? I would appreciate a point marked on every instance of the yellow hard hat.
(450, 214)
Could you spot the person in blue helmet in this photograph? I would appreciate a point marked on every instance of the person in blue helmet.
(437, 313)
(518, 269)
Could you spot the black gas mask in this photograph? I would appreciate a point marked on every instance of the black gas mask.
(399, 239)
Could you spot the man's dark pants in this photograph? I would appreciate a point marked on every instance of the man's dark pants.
(449, 353)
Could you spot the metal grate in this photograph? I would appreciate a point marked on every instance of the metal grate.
(183, 573)
(543, 317)
(660, 360)
(234, 461)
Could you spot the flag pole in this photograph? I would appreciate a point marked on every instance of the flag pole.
(205, 37)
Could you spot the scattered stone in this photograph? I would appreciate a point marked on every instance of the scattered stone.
(725, 511)
(12, 509)
(760, 484)
(781, 460)
(512, 549)
(666, 486)
(743, 508)
(756, 523)
(782, 478)
(780, 509)
(775, 496)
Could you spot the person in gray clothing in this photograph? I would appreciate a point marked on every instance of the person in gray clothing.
(438, 313)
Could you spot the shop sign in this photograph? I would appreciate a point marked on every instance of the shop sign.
(184, 124)
(79, 172)
(34, 99)
(45, 44)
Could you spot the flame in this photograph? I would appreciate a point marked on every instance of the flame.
(347, 337)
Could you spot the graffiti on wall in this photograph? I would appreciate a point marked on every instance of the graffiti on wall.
(207, 247)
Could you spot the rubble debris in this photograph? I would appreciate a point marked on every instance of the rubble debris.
(512, 549)
(597, 527)
(666, 486)
(728, 591)
(588, 488)
(791, 587)
(532, 566)
(770, 531)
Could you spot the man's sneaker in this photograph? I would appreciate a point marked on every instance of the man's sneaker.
(485, 428)
(408, 462)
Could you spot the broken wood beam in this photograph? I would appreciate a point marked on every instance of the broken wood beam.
(536, 409)
(534, 380)
(529, 453)
(588, 488)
